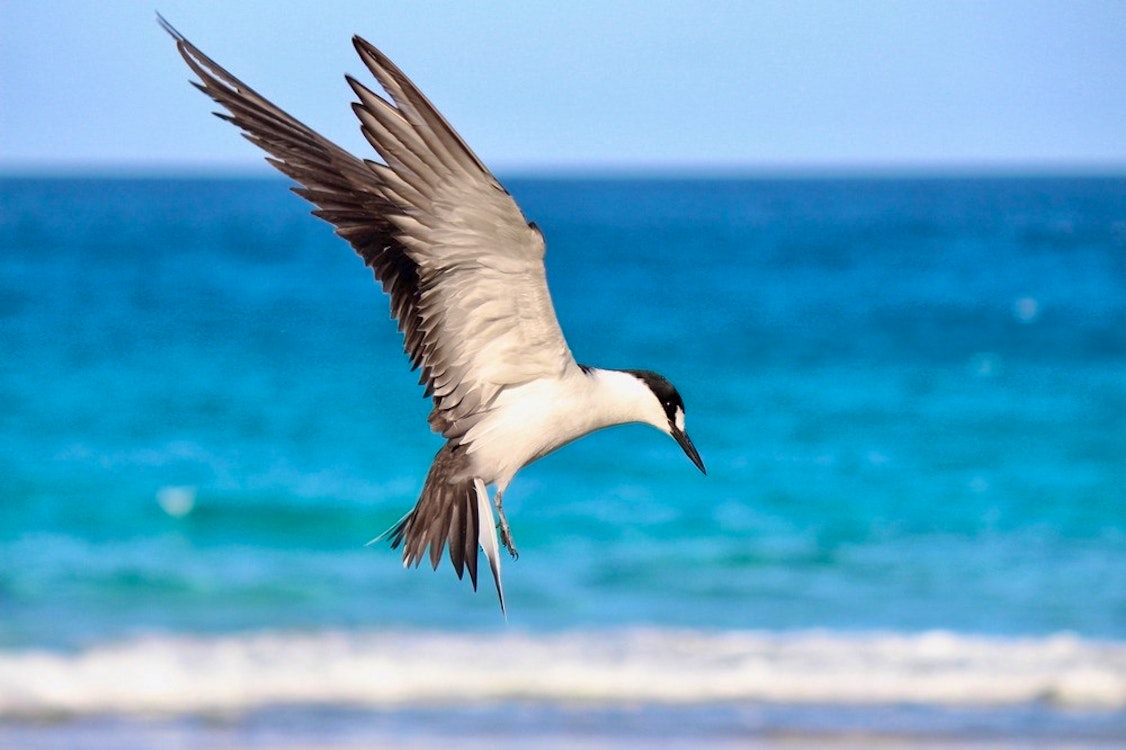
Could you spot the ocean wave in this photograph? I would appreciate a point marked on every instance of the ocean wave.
(169, 674)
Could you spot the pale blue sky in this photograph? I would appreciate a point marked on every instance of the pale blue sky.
(637, 84)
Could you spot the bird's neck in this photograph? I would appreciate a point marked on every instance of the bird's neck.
(619, 397)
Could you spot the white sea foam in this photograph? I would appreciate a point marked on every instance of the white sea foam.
(176, 501)
(174, 674)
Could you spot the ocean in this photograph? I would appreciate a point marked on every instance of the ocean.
(910, 394)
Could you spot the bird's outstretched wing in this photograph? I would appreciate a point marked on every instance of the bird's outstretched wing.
(462, 266)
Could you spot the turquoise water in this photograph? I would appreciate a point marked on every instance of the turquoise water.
(910, 395)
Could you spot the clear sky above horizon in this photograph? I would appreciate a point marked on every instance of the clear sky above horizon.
(586, 85)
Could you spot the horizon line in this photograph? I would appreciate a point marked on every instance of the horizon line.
(607, 170)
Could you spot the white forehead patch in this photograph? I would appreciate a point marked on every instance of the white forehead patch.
(678, 419)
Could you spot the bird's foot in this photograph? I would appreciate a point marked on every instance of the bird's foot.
(505, 532)
(506, 537)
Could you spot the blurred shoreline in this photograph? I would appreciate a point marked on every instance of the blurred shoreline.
(713, 726)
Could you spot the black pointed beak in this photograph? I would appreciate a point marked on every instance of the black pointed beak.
(683, 440)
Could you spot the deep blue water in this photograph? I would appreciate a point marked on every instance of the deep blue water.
(910, 395)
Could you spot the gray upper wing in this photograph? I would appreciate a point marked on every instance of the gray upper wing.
(463, 268)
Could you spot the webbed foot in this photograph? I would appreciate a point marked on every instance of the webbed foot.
(505, 532)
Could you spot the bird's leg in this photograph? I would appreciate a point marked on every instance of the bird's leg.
(505, 532)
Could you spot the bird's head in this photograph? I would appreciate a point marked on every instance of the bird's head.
(668, 415)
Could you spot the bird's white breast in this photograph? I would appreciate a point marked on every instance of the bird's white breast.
(533, 419)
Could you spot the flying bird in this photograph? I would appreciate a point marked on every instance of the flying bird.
(465, 274)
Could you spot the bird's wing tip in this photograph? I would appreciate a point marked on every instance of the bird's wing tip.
(364, 47)
(164, 24)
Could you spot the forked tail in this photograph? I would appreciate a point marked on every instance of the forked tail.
(455, 511)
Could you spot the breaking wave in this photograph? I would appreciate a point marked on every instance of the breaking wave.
(166, 674)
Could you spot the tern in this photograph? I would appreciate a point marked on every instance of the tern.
(465, 274)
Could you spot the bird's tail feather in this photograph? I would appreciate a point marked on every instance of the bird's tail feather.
(454, 511)
(488, 537)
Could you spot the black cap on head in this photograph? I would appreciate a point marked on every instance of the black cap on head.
(672, 403)
(665, 392)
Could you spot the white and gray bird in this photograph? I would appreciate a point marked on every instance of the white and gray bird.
(464, 271)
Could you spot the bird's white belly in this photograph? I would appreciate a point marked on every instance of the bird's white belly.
(528, 422)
